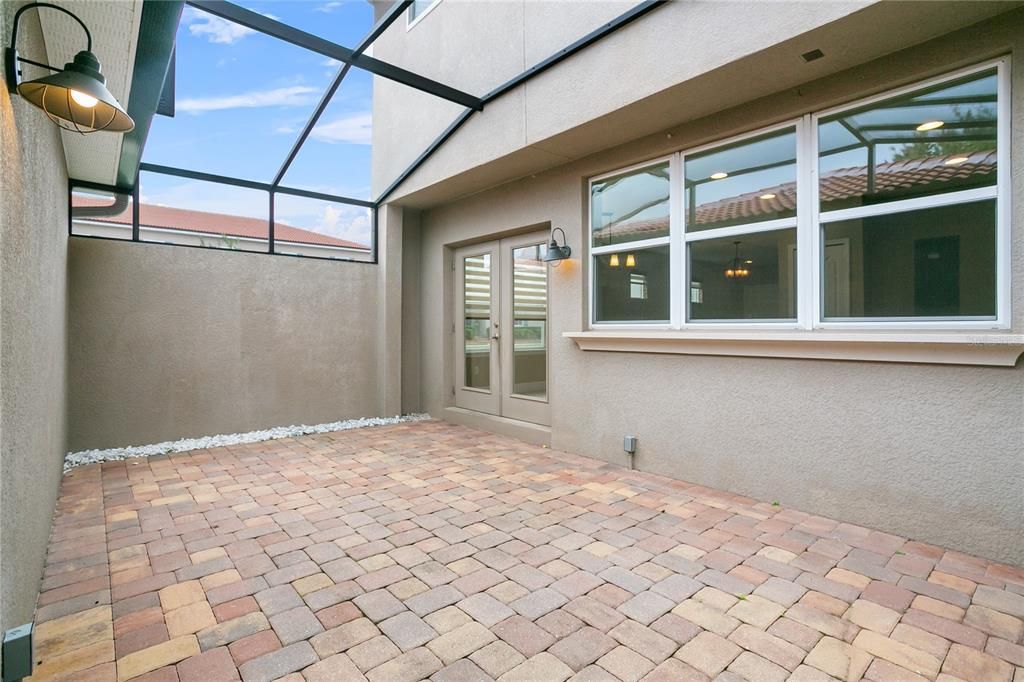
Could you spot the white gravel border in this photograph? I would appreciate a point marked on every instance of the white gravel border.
(83, 457)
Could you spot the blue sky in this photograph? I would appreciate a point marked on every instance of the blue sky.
(241, 99)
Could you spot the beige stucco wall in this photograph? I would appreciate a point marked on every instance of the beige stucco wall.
(676, 63)
(33, 276)
(932, 452)
(169, 342)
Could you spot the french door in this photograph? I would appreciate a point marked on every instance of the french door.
(501, 328)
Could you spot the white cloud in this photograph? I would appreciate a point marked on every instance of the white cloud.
(329, 7)
(203, 196)
(343, 221)
(294, 96)
(354, 128)
(215, 29)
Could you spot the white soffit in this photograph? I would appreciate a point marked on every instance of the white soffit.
(114, 25)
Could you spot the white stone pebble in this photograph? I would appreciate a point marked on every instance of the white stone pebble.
(75, 459)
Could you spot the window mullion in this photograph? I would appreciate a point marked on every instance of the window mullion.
(677, 258)
(638, 245)
(1004, 263)
(808, 288)
(745, 229)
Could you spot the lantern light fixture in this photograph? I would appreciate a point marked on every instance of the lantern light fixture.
(76, 97)
(556, 254)
(738, 268)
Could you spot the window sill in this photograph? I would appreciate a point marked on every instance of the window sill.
(998, 350)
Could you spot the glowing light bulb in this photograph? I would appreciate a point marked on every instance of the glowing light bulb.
(87, 101)
(930, 125)
(719, 175)
(767, 196)
(613, 262)
(956, 160)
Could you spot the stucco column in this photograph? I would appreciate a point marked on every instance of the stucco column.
(389, 282)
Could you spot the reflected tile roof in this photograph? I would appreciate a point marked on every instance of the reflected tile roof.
(836, 185)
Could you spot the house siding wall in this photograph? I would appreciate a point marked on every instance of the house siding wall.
(33, 333)
(169, 342)
(927, 451)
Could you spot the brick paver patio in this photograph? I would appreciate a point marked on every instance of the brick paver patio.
(428, 550)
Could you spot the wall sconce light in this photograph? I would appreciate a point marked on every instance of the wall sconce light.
(75, 97)
(555, 253)
(630, 260)
(613, 261)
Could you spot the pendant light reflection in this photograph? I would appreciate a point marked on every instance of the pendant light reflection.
(614, 261)
(737, 268)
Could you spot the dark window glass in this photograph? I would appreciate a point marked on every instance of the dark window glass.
(746, 182)
(937, 262)
(751, 277)
(418, 7)
(631, 206)
(97, 213)
(632, 286)
(936, 140)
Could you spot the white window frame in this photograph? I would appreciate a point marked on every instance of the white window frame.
(638, 245)
(739, 230)
(809, 224)
(1000, 192)
(411, 21)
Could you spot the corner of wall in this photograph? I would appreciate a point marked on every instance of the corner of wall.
(33, 335)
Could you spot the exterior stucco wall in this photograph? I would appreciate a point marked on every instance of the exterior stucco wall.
(33, 279)
(170, 342)
(932, 452)
(675, 63)
(456, 44)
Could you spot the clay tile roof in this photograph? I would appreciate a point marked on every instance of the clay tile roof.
(836, 185)
(185, 220)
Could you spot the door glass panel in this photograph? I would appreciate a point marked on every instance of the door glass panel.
(477, 321)
(529, 321)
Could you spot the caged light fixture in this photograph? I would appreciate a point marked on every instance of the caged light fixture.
(75, 97)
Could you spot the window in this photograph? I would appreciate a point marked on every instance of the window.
(629, 224)
(907, 196)
(418, 9)
(886, 212)
(737, 198)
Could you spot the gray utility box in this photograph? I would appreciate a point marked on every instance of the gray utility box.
(18, 653)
